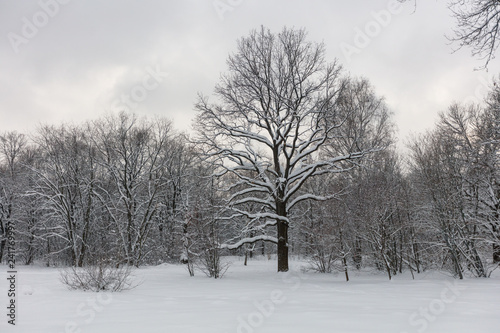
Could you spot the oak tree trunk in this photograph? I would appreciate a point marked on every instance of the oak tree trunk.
(282, 238)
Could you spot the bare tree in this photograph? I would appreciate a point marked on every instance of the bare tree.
(330, 235)
(487, 169)
(454, 166)
(180, 179)
(65, 184)
(478, 26)
(275, 109)
(323, 227)
(133, 155)
(11, 147)
(377, 210)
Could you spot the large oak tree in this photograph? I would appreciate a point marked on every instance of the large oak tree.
(277, 106)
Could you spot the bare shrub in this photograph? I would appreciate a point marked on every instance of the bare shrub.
(210, 263)
(101, 277)
(322, 263)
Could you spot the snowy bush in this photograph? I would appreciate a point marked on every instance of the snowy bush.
(101, 277)
(210, 263)
(322, 263)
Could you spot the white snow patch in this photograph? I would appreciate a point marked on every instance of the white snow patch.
(255, 298)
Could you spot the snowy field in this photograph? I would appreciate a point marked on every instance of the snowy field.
(256, 299)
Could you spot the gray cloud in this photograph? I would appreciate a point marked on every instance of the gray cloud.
(90, 53)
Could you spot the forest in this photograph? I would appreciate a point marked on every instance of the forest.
(290, 156)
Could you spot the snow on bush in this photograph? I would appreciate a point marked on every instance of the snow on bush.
(101, 277)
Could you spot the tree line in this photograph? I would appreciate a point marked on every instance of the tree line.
(290, 155)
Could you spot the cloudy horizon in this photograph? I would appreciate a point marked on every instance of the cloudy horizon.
(72, 61)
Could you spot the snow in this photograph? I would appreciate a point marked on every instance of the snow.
(249, 240)
(256, 299)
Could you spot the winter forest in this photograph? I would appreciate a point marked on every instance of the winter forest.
(291, 156)
(290, 159)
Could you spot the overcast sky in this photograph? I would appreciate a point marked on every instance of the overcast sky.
(71, 61)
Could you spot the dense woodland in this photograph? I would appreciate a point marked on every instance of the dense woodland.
(289, 156)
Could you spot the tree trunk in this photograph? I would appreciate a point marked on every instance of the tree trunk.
(30, 252)
(2, 247)
(344, 261)
(357, 257)
(282, 238)
(282, 246)
(3, 239)
(496, 253)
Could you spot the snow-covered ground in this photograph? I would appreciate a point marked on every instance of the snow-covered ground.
(256, 299)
